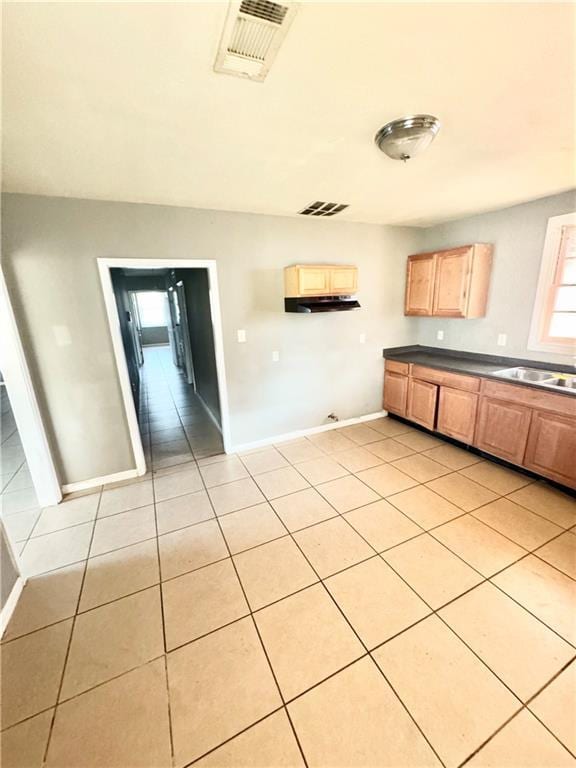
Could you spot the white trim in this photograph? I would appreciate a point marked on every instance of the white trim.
(94, 482)
(305, 432)
(545, 278)
(25, 405)
(10, 604)
(104, 267)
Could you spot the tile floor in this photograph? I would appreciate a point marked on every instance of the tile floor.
(370, 596)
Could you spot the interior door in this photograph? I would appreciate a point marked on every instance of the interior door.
(452, 280)
(419, 284)
(185, 331)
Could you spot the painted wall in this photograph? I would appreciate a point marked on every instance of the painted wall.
(154, 335)
(50, 247)
(518, 235)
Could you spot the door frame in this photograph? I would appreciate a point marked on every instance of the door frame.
(25, 405)
(104, 267)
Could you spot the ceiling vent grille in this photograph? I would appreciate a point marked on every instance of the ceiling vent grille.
(252, 35)
(319, 208)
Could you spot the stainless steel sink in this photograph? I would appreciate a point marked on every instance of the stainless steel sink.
(552, 379)
(568, 382)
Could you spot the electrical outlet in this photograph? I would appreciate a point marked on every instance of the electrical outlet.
(241, 336)
(275, 356)
(440, 335)
(502, 339)
(362, 338)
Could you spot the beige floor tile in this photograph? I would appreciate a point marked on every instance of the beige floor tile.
(206, 677)
(281, 482)
(386, 479)
(347, 493)
(223, 472)
(556, 706)
(56, 550)
(517, 523)
(167, 486)
(299, 450)
(322, 470)
(306, 639)
(478, 545)
(495, 477)
(357, 459)
(433, 571)
(19, 526)
(461, 491)
(132, 496)
(23, 745)
(122, 530)
(434, 674)
(544, 591)
(425, 507)
(548, 502)
(46, 599)
(452, 457)
(237, 495)
(177, 469)
(517, 647)
(301, 509)
(361, 434)
(182, 511)
(191, 548)
(120, 573)
(419, 441)
(121, 723)
(251, 527)
(332, 545)
(389, 427)
(355, 719)
(199, 602)
(273, 571)
(73, 512)
(522, 743)
(382, 525)
(389, 450)
(268, 744)
(420, 467)
(376, 601)
(266, 460)
(331, 441)
(31, 671)
(561, 553)
(113, 639)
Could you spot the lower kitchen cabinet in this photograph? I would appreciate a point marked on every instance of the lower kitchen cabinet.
(422, 398)
(503, 429)
(551, 448)
(457, 414)
(395, 393)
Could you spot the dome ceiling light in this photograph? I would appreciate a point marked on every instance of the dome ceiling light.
(408, 136)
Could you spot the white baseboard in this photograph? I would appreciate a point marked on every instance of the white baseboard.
(10, 605)
(208, 411)
(94, 482)
(305, 432)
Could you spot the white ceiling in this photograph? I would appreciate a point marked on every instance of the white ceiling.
(119, 101)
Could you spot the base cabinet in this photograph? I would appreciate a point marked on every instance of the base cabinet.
(502, 429)
(395, 393)
(422, 398)
(551, 449)
(457, 414)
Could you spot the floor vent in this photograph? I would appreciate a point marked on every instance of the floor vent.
(252, 35)
(323, 209)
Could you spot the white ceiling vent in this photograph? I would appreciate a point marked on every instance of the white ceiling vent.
(252, 35)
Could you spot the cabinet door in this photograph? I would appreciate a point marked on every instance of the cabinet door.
(419, 284)
(422, 402)
(457, 414)
(395, 393)
(502, 429)
(551, 449)
(452, 279)
(344, 280)
(313, 281)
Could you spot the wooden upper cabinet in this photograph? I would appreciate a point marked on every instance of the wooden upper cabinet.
(320, 280)
(551, 449)
(502, 429)
(449, 283)
(457, 414)
(395, 393)
(422, 402)
(420, 284)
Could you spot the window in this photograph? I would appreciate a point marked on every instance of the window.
(554, 319)
(152, 309)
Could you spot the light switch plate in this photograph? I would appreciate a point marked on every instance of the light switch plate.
(362, 338)
(502, 339)
(440, 335)
(241, 334)
(275, 356)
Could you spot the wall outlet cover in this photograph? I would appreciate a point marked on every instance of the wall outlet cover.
(440, 335)
(362, 338)
(275, 356)
(241, 335)
(502, 339)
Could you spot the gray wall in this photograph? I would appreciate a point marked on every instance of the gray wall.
(8, 572)
(50, 251)
(154, 335)
(518, 235)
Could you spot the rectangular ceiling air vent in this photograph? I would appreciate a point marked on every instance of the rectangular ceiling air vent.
(323, 209)
(253, 32)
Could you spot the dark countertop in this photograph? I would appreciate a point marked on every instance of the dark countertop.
(475, 364)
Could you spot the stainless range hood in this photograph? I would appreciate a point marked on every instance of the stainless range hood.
(312, 304)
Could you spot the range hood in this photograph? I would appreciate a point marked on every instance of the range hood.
(311, 304)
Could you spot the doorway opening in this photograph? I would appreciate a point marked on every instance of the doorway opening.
(167, 337)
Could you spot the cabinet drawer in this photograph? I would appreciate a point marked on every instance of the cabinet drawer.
(530, 396)
(396, 367)
(446, 378)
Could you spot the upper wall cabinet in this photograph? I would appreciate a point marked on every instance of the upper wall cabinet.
(320, 280)
(451, 283)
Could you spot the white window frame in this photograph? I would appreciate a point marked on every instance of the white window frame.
(545, 279)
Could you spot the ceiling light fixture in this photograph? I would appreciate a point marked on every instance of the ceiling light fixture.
(402, 139)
